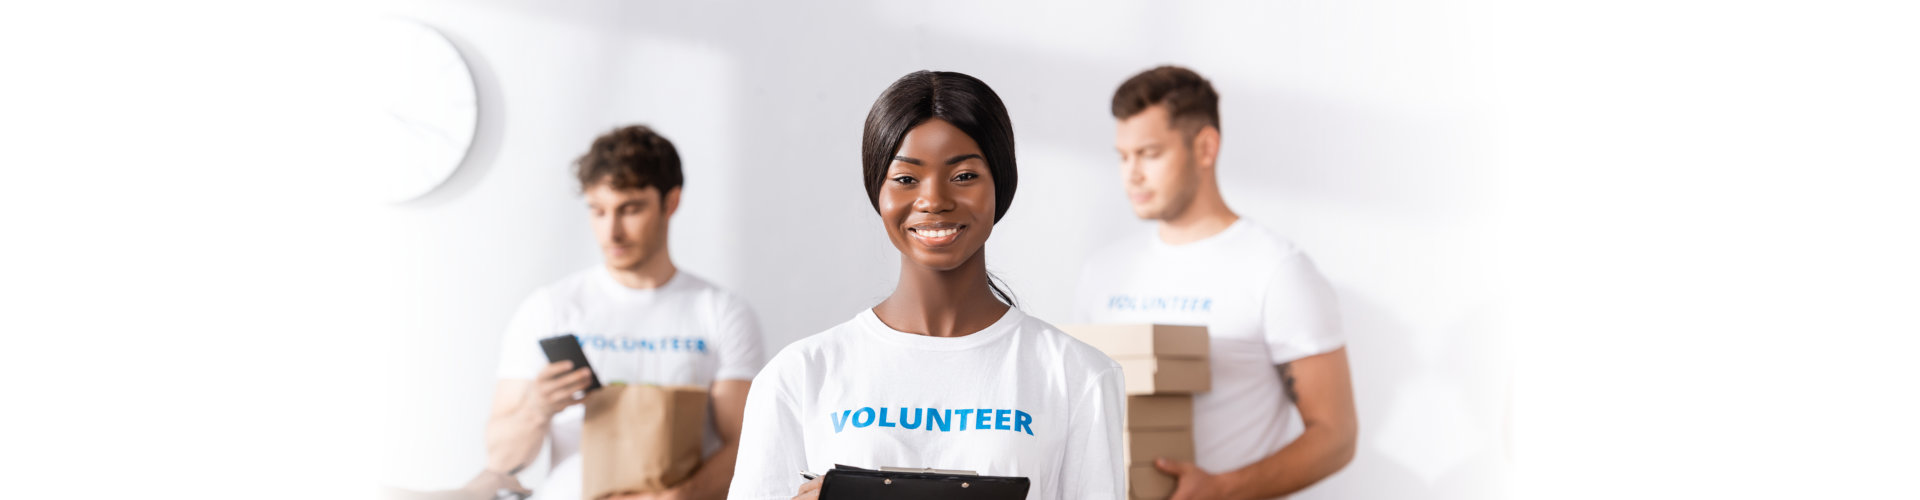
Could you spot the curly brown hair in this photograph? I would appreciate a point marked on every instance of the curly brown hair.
(630, 157)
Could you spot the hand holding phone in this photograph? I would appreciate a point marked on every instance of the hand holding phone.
(566, 374)
(567, 348)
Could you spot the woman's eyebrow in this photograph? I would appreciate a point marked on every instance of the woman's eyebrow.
(950, 161)
(958, 159)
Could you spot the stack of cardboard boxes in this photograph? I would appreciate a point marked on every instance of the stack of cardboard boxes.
(1164, 366)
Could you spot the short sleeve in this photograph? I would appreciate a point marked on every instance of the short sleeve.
(1093, 449)
(740, 341)
(1299, 312)
(772, 446)
(520, 355)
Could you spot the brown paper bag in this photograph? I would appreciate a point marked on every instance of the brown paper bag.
(640, 438)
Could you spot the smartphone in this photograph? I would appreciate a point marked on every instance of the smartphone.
(567, 347)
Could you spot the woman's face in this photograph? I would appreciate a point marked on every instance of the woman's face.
(937, 198)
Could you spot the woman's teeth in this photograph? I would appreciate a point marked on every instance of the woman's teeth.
(937, 233)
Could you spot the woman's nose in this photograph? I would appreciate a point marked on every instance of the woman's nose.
(933, 198)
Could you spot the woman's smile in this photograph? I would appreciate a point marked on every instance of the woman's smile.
(936, 234)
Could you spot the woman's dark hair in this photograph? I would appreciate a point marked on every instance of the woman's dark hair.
(964, 101)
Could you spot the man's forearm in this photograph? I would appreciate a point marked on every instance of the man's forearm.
(1317, 453)
(514, 438)
(713, 477)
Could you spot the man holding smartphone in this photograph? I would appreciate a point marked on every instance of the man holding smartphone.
(639, 320)
(1271, 317)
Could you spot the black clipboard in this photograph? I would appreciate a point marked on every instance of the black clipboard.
(854, 483)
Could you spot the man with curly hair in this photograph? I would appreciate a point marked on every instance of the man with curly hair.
(640, 320)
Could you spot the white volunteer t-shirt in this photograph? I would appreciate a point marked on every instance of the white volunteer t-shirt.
(1019, 398)
(1263, 304)
(685, 332)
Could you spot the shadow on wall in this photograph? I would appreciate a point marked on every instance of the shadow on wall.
(778, 118)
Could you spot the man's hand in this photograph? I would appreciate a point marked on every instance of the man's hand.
(810, 490)
(1191, 482)
(554, 387)
(523, 409)
(488, 482)
(1323, 392)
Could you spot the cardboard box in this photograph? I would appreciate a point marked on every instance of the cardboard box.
(1143, 340)
(1141, 447)
(1159, 412)
(1166, 376)
(1147, 483)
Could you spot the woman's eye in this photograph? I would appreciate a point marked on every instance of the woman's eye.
(966, 176)
(904, 180)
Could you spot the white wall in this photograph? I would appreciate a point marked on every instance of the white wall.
(1349, 127)
(1703, 210)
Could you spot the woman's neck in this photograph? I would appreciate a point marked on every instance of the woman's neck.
(951, 303)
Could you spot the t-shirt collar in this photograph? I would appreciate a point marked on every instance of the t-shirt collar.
(604, 278)
(871, 326)
(1153, 238)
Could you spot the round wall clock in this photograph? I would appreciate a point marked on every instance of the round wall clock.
(429, 109)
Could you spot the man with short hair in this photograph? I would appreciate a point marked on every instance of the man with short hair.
(639, 319)
(1274, 327)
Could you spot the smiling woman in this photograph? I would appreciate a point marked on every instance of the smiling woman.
(947, 349)
(939, 210)
(937, 149)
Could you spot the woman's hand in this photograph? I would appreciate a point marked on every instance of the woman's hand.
(810, 490)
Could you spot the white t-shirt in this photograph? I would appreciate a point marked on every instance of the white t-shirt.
(1019, 398)
(1263, 304)
(684, 332)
